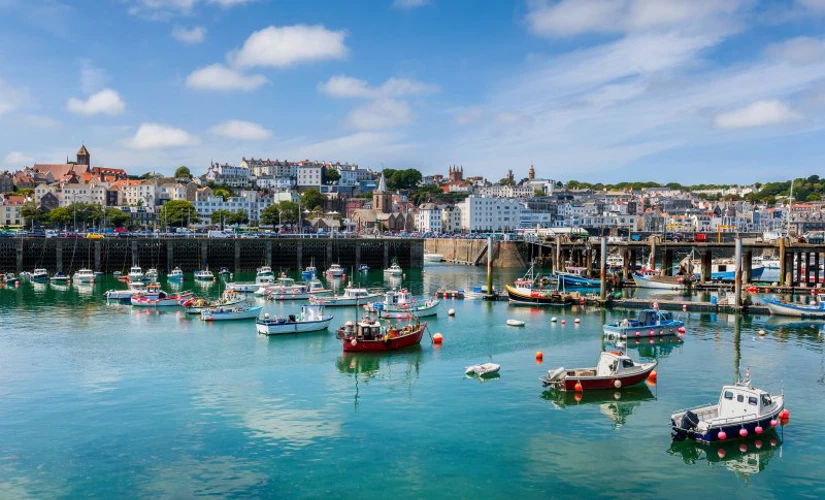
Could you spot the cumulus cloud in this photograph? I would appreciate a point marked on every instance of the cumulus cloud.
(409, 4)
(10, 97)
(106, 102)
(219, 77)
(289, 45)
(799, 50)
(241, 130)
(757, 114)
(156, 136)
(346, 86)
(380, 114)
(17, 159)
(189, 36)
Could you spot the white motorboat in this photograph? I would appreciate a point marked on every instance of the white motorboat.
(125, 296)
(433, 257)
(59, 278)
(311, 319)
(204, 275)
(741, 411)
(9, 279)
(84, 276)
(335, 270)
(394, 270)
(39, 274)
(264, 276)
(515, 322)
(350, 297)
(799, 310)
(161, 299)
(400, 304)
(284, 285)
(135, 273)
(196, 305)
(657, 282)
(175, 275)
(225, 313)
(482, 370)
(297, 292)
(151, 275)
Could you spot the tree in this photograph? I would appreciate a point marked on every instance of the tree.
(115, 217)
(425, 193)
(220, 217)
(178, 213)
(402, 179)
(331, 175)
(30, 212)
(183, 172)
(24, 192)
(238, 217)
(312, 199)
(506, 181)
(60, 216)
(288, 212)
(222, 191)
(269, 215)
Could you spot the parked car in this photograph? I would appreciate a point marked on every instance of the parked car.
(94, 236)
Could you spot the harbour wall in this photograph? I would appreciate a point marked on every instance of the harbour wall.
(473, 252)
(118, 254)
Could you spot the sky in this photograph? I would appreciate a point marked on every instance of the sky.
(699, 91)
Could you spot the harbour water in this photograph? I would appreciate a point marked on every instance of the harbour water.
(112, 402)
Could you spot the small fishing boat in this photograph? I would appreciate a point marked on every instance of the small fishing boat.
(614, 370)
(433, 257)
(84, 276)
(263, 276)
(648, 323)
(478, 293)
(524, 291)
(296, 291)
(574, 277)
(204, 275)
(482, 370)
(782, 308)
(350, 297)
(175, 275)
(367, 335)
(162, 299)
(741, 411)
(515, 322)
(335, 270)
(400, 304)
(195, 305)
(284, 285)
(151, 274)
(59, 278)
(363, 268)
(310, 319)
(125, 296)
(394, 270)
(226, 313)
(135, 273)
(9, 279)
(657, 282)
(39, 275)
(309, 272)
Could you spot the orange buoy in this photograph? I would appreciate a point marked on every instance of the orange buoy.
(438, 338)
(539, 355)
(652, 375)
(578, 387)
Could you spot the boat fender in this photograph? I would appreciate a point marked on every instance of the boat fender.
(353, 342)
(554, 374)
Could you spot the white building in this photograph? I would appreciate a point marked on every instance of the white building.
(136, 192)
(450, 219)
(171, 191)
(229, 175)
(274, 168)
(275, 183)
(498, 191)
(428, 218)
(310, 175)
(479, 213)
(247, 201)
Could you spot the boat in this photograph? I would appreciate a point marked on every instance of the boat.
(433, 257)
(400, 304)
(226, 313)
(741, 411)
(367, 335)
(204, 275)
(39, 274)
(151, 274)
(296, 292)
(84, 276)
(482, 370)
(158, 299)
(335, 270)
(648, 323)
(725, 270)
(798, 310)
(263, 276)
(195, 305)
(363, 268)
(574, 277)
(310, 319)
(284, 285)
(125, 296)
(394, 270)
(225, 272)
(175, 275)
(59, 278)
(135, 273)
(478, 293)
(658, 282)
(350, 297)
(309, 272)
(9, 279)
(515, 322)
(525, 291)
(614, 370)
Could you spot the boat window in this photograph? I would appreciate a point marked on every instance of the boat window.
(752, 401)
(627, 363)
(740, 398)
(728, 395)
(766, 400)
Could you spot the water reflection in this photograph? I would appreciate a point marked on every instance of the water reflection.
(743, 458)
(655, 348)
(364, 367)
(616, 405)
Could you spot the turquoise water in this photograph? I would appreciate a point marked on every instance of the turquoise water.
(109, 402)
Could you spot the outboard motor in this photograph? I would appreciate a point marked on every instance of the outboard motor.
(689, 422)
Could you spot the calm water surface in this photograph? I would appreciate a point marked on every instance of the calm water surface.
(110, 402)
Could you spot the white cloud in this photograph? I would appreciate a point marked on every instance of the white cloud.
(39, 121)
(409, 4)
(241, 130)
(11, 98)
(467, 116)
(92, 78)
(289, 45)
(160, 9)
(156, 136)
(757, 114)
(799, 50)
(346, 86)
(372, 147)
(16, 159)
(219, 77)
(574, 17)
(190, 36)
(380, 114)
(106, 102)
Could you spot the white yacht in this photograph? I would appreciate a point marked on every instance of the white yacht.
(335, 270)
(135, 273)
(394, 270)
(84, 276)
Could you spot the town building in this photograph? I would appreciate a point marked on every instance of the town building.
(479, 213)
(11, 211)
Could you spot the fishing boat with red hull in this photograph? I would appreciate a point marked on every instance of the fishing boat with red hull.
(614, 370)
(368, 335)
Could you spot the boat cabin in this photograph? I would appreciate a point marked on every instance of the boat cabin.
(365, 329)
(356, 293)
(285, 282)
(613, 363)
(742, 399)
(648, 317)
(398, 297)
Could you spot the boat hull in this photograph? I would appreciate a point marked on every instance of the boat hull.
(799, 311)
(658, 282)
(731, 429)
(420, 311)
(265, 328)
(345, 301)
(518, 297)
(148, 301)
(598, 383)
(613, 332)
(243, 287)
(392, 344)
(248, 313)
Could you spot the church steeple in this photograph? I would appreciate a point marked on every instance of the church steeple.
(531, 175)
(381, 202)
(83, 157)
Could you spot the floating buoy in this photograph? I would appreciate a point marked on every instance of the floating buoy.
(651, 333)
(758, 429)
(578, 387)
(743, 432)
(721, 453)
(563, 322)
(721, 436)
(784, 414)
(774, 423)
(743, 447)
(758, 444)
(652, 375)
(539, 355)
(638, 333)
(761, 333)
(553, 319)
(617, 384)
(577, 321)
(684, 307)
(681, 329)
(451, 312)
(438, 338)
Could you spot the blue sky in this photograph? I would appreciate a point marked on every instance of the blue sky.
(603, 90)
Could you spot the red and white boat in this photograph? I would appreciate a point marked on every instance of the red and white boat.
(613, 371)
(162, 299)
(367, 335)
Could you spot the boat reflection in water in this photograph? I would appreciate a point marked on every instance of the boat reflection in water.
(366, 367)
(744, 458)
(616, 405)
(654, 348)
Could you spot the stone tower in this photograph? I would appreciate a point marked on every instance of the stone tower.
(531, 175)
(83, 157)
(456, 173)
(381, 201)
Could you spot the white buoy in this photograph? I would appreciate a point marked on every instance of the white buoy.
(761, 333)
(553, 319)
(577, 321)
(451, 312)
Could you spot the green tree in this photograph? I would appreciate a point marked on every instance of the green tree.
(223, 192)
(30, 212)
(220, 217)
(24, 192)
(506, 181)
(313, 199)
(115, 217)
(238, 217)
(331, 175)
(402, 179)
(177, 213)
(269, 215)
(60, 216)
(288, 212)
(183, 172)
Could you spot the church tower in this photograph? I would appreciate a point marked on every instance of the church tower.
(381, 201)
(531, 175)
(84, 158)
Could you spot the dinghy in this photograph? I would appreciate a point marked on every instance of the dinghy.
(482, 370)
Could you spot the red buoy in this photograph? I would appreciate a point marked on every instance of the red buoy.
(758, 429)
(578, 387)
(774, 423)
(652, 375)
(438, 338)
(539, 355)
(743, 432)
(722, 436)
